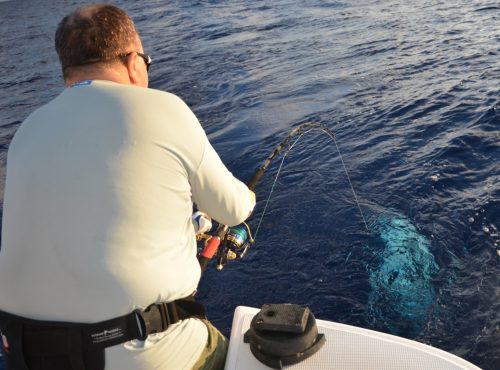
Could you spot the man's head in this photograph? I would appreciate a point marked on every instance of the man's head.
(100, 41)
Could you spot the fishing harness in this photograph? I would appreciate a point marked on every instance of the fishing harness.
(54, 345)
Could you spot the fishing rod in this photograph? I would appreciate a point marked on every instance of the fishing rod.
(297, 131)
(237, 240)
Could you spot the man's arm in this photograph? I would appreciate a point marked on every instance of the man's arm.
(218, 193)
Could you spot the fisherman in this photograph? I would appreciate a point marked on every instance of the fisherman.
(98, 261)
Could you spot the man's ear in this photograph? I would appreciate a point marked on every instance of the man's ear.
(134, 68)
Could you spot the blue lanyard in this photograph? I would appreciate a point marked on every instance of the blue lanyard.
(82, 83)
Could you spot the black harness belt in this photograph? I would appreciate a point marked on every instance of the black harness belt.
(53, 345)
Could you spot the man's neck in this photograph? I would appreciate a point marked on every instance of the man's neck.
(107, 75)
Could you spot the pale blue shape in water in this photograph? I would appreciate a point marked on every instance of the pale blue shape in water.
(402, 294)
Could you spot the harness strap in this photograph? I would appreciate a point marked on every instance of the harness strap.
(82, 345)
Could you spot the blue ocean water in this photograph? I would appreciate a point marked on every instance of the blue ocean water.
(411, 90)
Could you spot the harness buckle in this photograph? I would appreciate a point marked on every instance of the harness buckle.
(156, 318)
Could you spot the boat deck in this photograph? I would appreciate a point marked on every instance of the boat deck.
(347, 348)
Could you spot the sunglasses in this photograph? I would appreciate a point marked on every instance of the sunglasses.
(147, 59)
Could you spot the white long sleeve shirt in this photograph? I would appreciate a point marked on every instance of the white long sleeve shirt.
(97, 214)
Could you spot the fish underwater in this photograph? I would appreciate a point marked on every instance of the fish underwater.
(402, 295)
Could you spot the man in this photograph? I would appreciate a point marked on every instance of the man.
(97, 213)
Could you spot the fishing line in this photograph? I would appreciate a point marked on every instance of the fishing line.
(301, 130)
(230, 243)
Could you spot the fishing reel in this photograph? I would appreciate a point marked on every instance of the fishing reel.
(237, 241)
(228, 243)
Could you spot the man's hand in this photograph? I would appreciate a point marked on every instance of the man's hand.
(202, 222)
